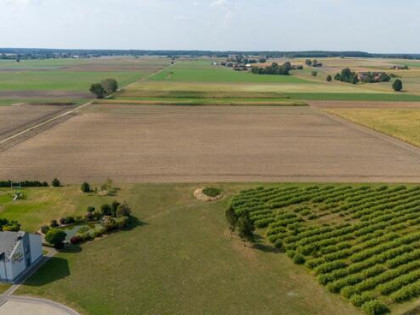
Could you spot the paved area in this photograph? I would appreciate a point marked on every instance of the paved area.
(28, 306)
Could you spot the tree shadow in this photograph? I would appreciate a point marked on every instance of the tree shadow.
(260, 244)
(267, 248)
(134, 222)
(70, 249)
(53, 270)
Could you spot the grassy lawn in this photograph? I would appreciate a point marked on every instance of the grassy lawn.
(181, 261)
(4, 287)
(41, 205)
(399, 123)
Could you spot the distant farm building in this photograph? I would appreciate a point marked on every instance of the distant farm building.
(18, 252)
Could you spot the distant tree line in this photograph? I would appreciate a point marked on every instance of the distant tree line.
(274, 69)
(25, 183)
(34, 53)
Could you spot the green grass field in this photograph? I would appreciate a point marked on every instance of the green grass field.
(399, 123)
(71, 76)
(191, 72)
(181, 260)
(61, 80)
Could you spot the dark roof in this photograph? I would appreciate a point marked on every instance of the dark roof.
(8, 240)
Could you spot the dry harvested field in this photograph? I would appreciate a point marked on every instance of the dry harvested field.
(361, 104)
(195, 144)
(16, 118)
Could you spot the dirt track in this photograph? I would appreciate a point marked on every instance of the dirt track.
(196, 144)
(16, 118)
(363, 104)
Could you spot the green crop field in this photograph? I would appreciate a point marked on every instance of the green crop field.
(399, 123)
(191, 72)
(181, 260)
(362, 242)
(46, 81)
(61, 80)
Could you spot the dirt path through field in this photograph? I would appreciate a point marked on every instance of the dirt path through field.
(363, 104)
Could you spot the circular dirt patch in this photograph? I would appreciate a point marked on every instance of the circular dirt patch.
(199, 195)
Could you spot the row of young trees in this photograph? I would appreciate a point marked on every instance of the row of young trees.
(104, 88)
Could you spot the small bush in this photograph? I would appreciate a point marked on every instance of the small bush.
(299, 259)
(55, 183)
(70, 220)
(76, 239)
(62, 221)
(375, 307)
(55, 236)
(83, 229)
(44, 229)
(211, 191)
(85, 187)
(54, 223)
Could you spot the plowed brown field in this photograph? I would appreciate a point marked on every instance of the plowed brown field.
(194, 144)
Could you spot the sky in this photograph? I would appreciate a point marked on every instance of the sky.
(377, 26)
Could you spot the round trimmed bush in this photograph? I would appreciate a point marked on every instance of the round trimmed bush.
(76, 240)
(44, 229)
(212, 191)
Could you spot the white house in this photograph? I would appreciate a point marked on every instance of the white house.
(18, 251)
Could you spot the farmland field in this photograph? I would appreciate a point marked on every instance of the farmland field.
(58, 80)
(399, 123)
(200, 76)
(211, 143)
(362, 242)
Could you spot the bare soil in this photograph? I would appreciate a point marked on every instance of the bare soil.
(130, 143)
(365, 104)
(16, 118)
(43, 94)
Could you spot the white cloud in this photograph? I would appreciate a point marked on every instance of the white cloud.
(20, 2)
(219, 3)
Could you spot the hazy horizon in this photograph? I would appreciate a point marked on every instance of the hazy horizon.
(380, 26)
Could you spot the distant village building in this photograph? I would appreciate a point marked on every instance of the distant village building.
(400, 67)
(18, 252)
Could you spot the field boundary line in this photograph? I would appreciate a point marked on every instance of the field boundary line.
(372, 132)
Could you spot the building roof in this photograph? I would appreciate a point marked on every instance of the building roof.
(8, 241)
